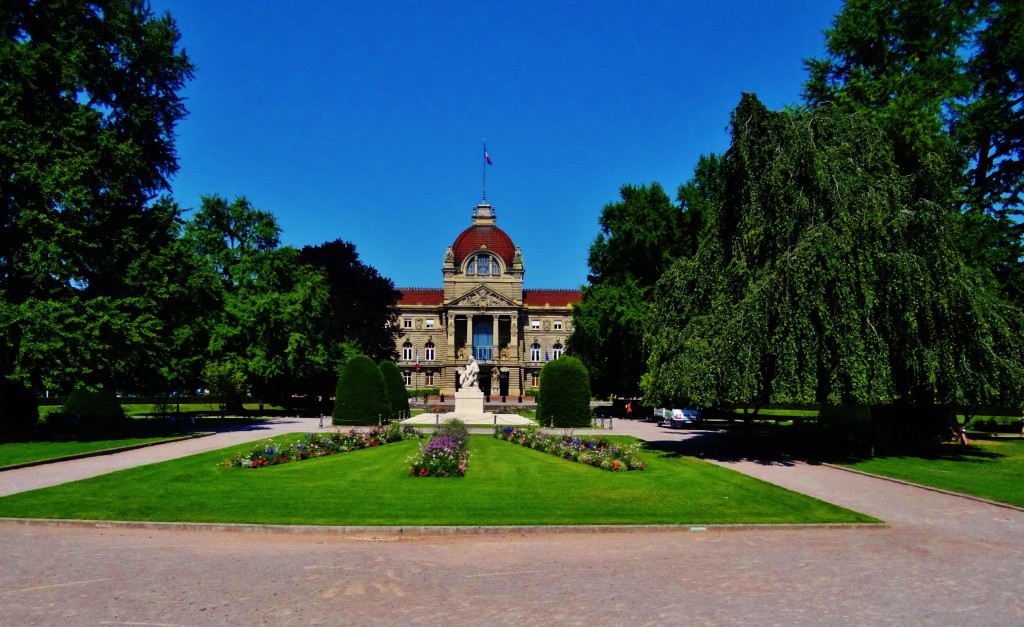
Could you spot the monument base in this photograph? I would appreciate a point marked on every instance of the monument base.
(469, 402)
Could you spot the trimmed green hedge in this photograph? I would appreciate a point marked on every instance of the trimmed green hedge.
(398, 399)
(565, 400)
(361, 398)
(418, 392)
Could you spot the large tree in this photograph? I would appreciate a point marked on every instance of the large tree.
(640, 236)
(362, 307)
(828, 275)
(88, 104)
(266, 332)
(942, 76)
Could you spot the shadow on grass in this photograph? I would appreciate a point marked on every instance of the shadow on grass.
(136, 428)
(784, 446)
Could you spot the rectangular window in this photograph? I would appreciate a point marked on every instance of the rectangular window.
(407, 375)
(407, 323)
(429, 376)
(430, 323)
(558, 325)
(535, 325)
(534, 379)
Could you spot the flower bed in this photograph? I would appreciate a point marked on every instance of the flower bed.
(270, 453)
(595, 452)
(446, 455)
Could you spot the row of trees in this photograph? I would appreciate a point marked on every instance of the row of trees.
(103, 282)
(863, 248)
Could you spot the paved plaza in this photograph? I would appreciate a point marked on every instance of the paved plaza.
(942, 559)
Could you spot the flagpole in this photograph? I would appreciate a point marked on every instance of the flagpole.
(485, 171)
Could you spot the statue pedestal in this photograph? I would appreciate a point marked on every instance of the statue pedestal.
(469, 402)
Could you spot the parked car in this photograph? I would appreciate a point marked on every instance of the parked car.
(677, 418)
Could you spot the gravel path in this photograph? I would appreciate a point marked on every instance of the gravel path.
(942, 560)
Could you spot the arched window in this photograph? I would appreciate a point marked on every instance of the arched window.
(556, 351)
(535, 352)
(407, 351)
(483, 264)
(428, 352)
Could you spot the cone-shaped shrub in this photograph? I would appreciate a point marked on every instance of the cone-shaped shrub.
(565, 393)
(398, 398)
(361, 397)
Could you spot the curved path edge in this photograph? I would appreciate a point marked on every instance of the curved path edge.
(963, 495)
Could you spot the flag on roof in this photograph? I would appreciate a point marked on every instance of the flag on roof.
(487, 158)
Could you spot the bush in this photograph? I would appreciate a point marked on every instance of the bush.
(361, 398)
(91, 411)
(398, 399)
(20, 408)
(418, 392)
(565, 401)
(446, 455)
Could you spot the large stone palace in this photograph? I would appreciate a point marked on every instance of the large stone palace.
(483, 311)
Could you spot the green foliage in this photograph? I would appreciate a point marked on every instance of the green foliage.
(361, 397)
(90, 410)
(361, 307)
(565, 401)
(87, 115)
(942, 78)
(20, 408)
(640, 236)
(398, 398)
(418, 392)
(226, 378)
(267, 326)
(827, 275)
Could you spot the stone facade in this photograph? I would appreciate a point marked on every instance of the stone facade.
(482, 310)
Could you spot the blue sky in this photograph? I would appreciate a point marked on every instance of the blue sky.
(365, 121)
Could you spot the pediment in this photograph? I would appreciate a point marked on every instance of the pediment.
(482, 298)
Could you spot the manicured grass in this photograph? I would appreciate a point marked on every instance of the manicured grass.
(505, 484)
(22, 452)
(992, 469)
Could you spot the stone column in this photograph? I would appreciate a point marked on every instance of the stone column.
(469, 332)
(494, 337)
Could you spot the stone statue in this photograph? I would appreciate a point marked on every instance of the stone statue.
(468, 377)
(449, 255)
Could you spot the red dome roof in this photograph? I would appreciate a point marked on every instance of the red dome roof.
(496, 240)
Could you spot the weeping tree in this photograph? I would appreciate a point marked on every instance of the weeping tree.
(828, 275)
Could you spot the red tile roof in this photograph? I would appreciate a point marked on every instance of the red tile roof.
(496, 240)
(553, 298)
(421, 296)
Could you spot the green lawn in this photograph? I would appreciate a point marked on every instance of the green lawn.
(506, 484)
(22, 452)
(992, 469)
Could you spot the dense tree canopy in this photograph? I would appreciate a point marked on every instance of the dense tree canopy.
(640, 235)
(828, 275)
(88, 104)
(267, 330)
(362, 304)
(942, 76)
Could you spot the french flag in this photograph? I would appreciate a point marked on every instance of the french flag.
(487, 158)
